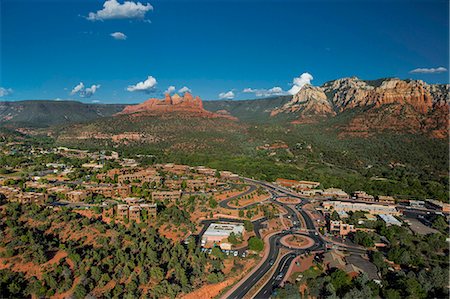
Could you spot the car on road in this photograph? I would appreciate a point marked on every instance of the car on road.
(243, 254)
(236, 253)
(271, 262)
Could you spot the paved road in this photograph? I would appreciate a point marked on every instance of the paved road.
(275, 246)
(277, 276)
(224, 203)
(259, 273)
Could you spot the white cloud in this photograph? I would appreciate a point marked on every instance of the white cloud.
(184, 89)
(112, 9)
(145, 86)
(5, 91)
(84, 92)
(274, 91)
(429, 70)
(77, 88)
(229, 95)
(90, 91)
(170, 89)
(299, 82)
(119, 35)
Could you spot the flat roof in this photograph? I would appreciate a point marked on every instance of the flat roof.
(389, 219)
(223, 229)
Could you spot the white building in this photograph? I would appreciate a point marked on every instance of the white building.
(374, 209)
(390, 220)
(217, 232)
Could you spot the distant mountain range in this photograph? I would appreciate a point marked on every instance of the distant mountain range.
(45, 113)
(357, 108)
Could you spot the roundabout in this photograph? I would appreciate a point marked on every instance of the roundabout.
(297, 241)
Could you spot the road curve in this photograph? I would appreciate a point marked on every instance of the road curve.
(224, 203)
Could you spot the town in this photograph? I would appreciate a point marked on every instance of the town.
(282, 235)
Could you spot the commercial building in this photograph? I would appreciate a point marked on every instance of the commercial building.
(343, 229)
(385, 199)
(437, 205)
(363, 196)
(218, 232)
(352, 207)
(335, 193)
(300, 185)
(390, 220)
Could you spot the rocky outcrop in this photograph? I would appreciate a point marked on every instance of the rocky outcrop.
(385, 104)
(309, 101)
(187, 105)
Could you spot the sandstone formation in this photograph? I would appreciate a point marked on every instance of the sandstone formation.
(187, 105)
(387, 104)
(307, 102)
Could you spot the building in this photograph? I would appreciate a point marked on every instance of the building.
(206, 171)
(363, 196)
(343, 229)
(300, 185)
(385, 199)
(135, 212)
(437, 205)
(374, 209)
(335, 193)
(148, 175)
(218, 232)
(390, 220)
(77, 195)
(228, 175)
(417, 204)
(166, 195)
(92, 165)
(122, 211)
(29, 198)
(151, 209)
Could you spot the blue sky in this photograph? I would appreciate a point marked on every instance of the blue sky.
(212, 47)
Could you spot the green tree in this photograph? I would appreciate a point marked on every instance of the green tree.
(255, 244)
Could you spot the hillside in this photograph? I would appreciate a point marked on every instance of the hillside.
(45, 113)
(402, 106)
(257, 110)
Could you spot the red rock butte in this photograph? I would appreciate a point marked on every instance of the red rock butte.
(186, 104)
